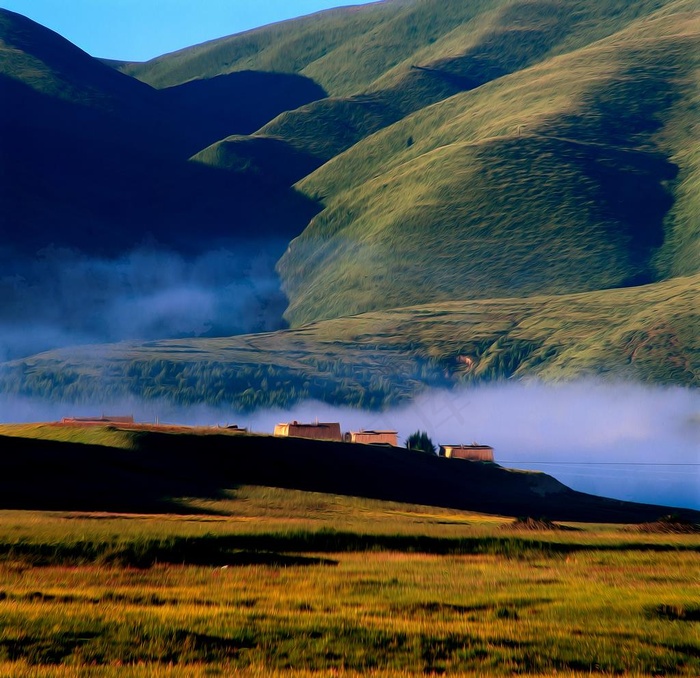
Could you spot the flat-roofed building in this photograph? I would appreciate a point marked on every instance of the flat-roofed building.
(316, 431)
(373, 437)
(469, 452)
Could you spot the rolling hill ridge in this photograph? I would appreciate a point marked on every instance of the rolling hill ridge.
(579, 156)
(581, 120)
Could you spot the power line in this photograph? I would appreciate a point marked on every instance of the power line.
(593, 463)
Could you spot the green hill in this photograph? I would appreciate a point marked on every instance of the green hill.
(568, 176)
(649, 334)
(475, 150)
(381, 62)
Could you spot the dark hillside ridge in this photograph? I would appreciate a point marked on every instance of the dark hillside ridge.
(238, 102)
(95, 160)
(162, 467)
(182, 119)
(73, 177)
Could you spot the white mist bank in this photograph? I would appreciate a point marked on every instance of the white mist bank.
(631, 442)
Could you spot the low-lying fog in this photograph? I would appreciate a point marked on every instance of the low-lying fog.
(62, 297)
(630, 442)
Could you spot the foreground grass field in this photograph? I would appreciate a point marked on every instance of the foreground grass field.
(280, 582)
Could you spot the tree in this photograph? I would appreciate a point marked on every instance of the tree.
(420, 442)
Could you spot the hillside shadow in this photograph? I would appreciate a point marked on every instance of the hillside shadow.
(53, 475)
(275, 161)
(618, 124)
(236, 103)
(103, 183)
(298, 549)
(637, 197)
(163, 468)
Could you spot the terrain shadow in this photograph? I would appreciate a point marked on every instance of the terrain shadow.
(163, 467)
(236, 103)
(290, 549)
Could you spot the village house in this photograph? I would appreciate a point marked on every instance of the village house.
(316, 431)
(472, 452)
(373, 437)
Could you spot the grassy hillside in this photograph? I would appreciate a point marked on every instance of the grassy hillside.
(349, 50)
(518, 154)
(551, 131)
(433, 50)
(570, 175)
(410, 56)
(287, 47)
(375, 360)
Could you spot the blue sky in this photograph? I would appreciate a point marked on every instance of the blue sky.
(137, 30)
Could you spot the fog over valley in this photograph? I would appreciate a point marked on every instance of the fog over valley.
(63, 297)
(626, 441)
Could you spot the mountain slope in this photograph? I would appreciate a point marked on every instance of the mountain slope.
(461, 151)
(649, 334)
(558, 178)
